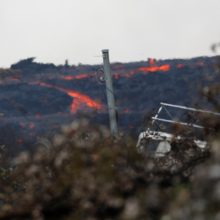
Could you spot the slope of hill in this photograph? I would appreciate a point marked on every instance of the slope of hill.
(37, 98)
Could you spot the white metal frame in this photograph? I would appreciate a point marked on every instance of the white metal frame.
(164, 105)
(167, 137)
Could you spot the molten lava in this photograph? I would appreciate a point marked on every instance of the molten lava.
(75, 105)
(78, 98)
(80, 76)
(153, 67)
(151, 62)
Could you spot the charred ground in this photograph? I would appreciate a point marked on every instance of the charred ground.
(37, 98)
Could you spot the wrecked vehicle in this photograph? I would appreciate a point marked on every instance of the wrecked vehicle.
(158, 139)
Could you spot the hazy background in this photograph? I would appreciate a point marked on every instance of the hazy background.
(55, 30)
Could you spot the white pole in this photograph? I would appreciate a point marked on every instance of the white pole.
(110, 93)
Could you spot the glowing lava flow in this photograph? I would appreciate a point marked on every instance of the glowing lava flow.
(151, 69)
(80, 76)
(148, 69)
(154, 68)
(78, 98)
(81, 99)
(151, 61)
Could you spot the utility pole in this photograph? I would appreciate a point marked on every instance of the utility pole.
(110, 94)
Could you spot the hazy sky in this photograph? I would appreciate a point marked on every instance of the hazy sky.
(53, 30)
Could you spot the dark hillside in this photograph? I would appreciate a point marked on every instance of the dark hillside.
(37, 98)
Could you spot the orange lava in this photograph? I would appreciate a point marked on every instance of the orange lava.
(80, 76)
(83, 99)
(151, 62)
(152, 67)
(75, 105)
(78, 98)
(163, 68)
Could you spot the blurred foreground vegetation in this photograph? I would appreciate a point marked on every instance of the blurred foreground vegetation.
(85, 174)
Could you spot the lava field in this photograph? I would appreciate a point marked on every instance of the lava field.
(36, 99)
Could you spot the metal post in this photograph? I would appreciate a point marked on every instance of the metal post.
(110, 93)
